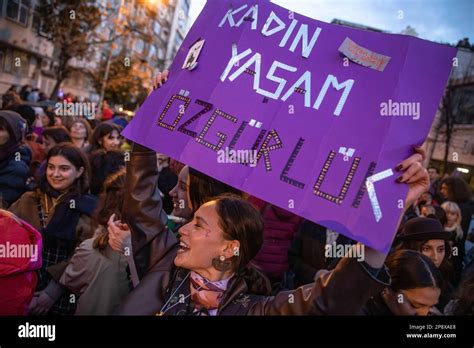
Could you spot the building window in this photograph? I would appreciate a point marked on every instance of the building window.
(18, 11)
(463, 104)
(162, 12)
(173, 53)
(184, 9)
(33, 66)
(14, 62)
(38, 24)
(182, 23)
(117, 47)
(7, 61)
(139, 46)
(21, 63)
(46, 64)
(164, 34)
(185, 6)
(152, 51)
(177, 41)
(161, 53)
(156, 27)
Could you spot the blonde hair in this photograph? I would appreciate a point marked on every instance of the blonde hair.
(452, 207)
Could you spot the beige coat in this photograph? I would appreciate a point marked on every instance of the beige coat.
(99, 278)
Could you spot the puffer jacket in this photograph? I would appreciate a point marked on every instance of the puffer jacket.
(20, 257)
(14, 171)
(342, 291)
(15, 159)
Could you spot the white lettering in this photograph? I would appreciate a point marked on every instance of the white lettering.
(347, 85)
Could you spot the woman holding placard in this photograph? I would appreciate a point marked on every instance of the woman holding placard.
(207, 270)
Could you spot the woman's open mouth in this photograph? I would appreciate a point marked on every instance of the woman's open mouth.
(183, 247)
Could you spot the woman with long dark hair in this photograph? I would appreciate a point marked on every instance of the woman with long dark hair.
(103, 165)
(97, 273)
(106, 136)
(428, 236)
(414, 290)
(209, 265)
(60, 208)
(55, 135)
(207, 269)
(191, 191)
(211, 259)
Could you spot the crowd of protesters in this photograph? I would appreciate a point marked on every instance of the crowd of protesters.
(126, 230)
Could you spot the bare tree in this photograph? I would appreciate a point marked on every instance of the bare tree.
(67, 24)
(71, 25)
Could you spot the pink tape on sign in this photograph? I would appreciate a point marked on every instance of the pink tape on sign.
(363, 56)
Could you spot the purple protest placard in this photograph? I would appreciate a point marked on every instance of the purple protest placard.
(322, 112)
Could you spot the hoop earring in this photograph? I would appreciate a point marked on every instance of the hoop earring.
(221, 264)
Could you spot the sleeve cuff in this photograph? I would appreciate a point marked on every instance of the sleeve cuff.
(380, 275)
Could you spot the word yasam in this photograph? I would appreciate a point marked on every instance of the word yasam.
(266, 142)
(301, 36)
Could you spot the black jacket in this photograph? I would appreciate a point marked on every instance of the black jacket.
(155, 246)
(306, 255)
(14, 171)
(376, 306)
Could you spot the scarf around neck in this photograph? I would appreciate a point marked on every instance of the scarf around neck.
(62, 225)
(207, 294)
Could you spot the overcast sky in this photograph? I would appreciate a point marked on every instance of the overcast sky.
(435, 20)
